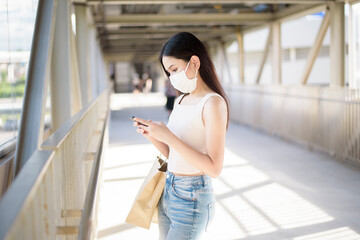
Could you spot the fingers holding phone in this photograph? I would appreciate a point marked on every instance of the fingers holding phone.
(139, 121)
(141, 124)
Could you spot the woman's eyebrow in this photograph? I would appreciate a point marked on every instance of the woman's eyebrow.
(170, 67)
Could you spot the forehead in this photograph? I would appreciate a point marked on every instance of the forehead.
(170, 61)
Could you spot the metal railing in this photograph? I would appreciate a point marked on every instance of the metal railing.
(55, 193)
(319, 117)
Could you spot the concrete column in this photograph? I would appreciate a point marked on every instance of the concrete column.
(337, 46)
(82, 52)
(60, 69)
(276, 52)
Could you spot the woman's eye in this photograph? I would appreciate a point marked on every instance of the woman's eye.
(174, 70)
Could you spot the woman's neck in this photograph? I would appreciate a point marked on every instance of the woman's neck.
(201, 89)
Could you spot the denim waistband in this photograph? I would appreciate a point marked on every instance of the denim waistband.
(203, 180)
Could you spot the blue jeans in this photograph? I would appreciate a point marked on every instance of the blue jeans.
(186, 207)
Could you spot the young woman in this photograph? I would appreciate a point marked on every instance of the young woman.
(193, 140)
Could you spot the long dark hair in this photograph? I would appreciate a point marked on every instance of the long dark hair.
(184, 45)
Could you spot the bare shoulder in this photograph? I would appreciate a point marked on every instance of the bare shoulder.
(215, 102)
(216, 107)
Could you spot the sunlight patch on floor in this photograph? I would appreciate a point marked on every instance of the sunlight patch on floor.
(284, 207)
(248, 203)
(343, 233)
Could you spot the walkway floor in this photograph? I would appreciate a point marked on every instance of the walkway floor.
(268, 189)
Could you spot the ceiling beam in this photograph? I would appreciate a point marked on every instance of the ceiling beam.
(173, 30)
(116, 57)
(129, 57)
(130, 43)
(133, 2)
(143, 52)
(158, 36)
(185, 19)
(133, 42)
(134, 48)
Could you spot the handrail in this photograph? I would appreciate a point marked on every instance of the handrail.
(36, 171)
(327, 119)
(17, 196)
(91, 194)
(267, 90)
(7, 147)
(55, 140)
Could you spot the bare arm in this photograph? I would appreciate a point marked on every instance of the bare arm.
(162, 147)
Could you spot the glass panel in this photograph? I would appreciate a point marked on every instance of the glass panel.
(298, 37)
(232, 54)
(254, 46)
(17, 20)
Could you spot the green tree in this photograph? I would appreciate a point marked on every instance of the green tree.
(3, 75)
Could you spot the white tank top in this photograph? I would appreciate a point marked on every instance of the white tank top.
(186, 123)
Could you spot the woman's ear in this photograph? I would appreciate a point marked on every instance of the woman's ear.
(195, 61)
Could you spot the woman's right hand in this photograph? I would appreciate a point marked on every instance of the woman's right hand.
(141, 130)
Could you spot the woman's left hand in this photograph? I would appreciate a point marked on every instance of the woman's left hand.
(156, 130)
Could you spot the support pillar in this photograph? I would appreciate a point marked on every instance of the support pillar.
(82, 52)
(337, 46)
(276, 52)
(60, 69)
(240, 38)
(93, 59)
(30, 135)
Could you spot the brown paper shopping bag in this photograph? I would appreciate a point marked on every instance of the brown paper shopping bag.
(144, 208)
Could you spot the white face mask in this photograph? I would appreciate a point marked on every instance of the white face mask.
(182, 83)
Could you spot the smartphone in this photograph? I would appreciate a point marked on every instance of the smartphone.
(132, 118)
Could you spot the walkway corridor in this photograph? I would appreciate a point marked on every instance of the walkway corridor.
(269, 188)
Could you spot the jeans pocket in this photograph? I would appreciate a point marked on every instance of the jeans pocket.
(185, 193)
(211, 214)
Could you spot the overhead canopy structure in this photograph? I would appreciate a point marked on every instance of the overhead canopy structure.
(138, 28)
